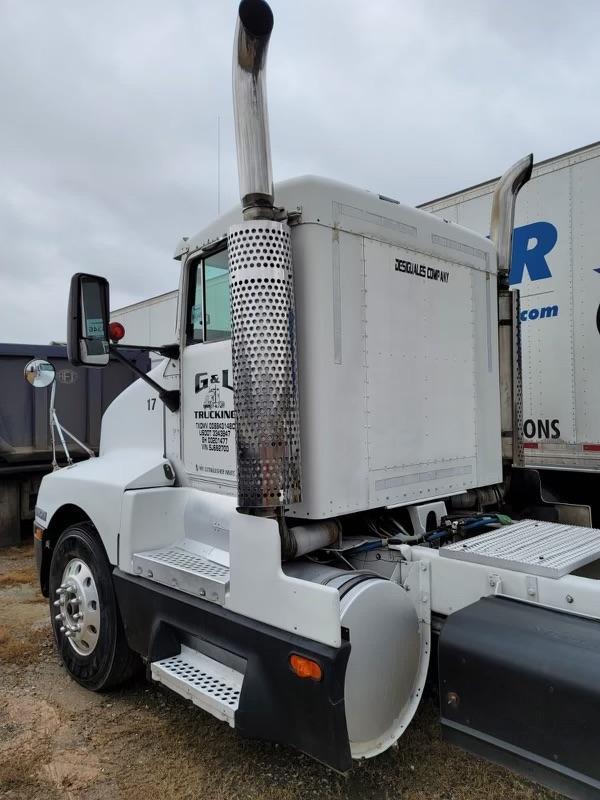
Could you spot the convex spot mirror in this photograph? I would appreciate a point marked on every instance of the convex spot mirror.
(87, 325)
(39, 373)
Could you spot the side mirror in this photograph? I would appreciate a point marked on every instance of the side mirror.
(39, 373)
(87, 325)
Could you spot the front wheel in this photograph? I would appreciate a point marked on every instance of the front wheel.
(86, 622)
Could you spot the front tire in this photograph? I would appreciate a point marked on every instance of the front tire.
(85, 617)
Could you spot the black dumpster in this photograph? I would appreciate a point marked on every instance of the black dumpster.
(82, 395)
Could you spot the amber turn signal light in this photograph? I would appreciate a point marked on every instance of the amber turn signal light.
(306, 667)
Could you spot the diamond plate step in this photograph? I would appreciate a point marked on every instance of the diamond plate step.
(537, 548)
(185, 566)
(207, 683)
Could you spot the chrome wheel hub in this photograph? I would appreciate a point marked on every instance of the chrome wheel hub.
(78, 607)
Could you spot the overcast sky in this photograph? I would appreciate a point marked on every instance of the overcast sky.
(108, 120)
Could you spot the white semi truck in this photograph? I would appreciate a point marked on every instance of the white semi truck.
(307, 504)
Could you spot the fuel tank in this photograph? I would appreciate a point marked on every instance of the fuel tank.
(384, 677)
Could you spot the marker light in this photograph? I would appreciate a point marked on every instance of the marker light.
(306, 667)
(116, 331)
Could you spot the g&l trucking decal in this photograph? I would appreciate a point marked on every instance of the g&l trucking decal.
(214, 420)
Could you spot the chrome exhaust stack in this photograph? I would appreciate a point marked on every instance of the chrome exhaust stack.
(252, 35)
(263, 317)
(509, 308)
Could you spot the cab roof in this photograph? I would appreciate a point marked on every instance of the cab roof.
(321, 201)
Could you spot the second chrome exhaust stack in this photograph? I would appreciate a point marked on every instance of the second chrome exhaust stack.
(263, 316)
(509, 307)
(503, 211)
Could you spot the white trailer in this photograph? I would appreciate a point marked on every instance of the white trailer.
(151, 322)
(556, 266)
(305, 504)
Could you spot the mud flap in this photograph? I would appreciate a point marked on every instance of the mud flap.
(553, 496)
(520, 685)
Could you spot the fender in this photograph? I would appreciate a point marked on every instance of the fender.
(97, 487)
(131, 457)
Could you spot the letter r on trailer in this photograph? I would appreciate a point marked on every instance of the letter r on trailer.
(545, 236)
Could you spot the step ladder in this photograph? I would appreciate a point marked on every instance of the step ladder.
(189, 566)
(209, 684)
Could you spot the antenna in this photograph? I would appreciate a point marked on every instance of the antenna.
(218, 164)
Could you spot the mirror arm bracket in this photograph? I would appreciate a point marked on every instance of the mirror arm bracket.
(167, 350)
(170, 397)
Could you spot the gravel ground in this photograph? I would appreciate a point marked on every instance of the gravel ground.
(58, 740)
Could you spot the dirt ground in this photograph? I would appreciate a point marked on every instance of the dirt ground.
(58, 740)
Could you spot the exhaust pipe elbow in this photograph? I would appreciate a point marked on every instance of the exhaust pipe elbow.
(253, 32)
(503, 212)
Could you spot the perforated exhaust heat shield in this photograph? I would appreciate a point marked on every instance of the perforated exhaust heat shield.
(265, 368)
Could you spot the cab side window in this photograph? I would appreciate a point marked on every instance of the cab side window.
(195, 306)
(209, 314)
(216, 297)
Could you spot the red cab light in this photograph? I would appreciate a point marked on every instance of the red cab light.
(116, 331)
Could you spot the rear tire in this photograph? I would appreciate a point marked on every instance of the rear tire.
(87, 625)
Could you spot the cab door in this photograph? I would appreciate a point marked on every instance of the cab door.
(207, 413)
